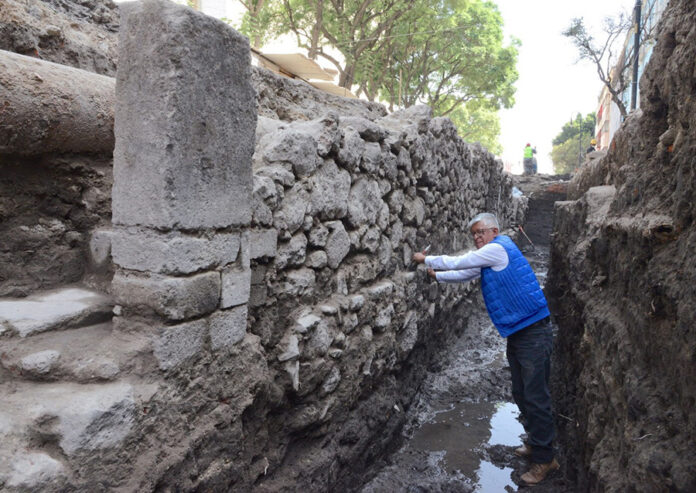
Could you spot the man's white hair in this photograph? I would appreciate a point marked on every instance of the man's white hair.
(487, 219)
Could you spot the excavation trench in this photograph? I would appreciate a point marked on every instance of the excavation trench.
(462, 430)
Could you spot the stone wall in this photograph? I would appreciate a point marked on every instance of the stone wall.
(279, 327)
(622, 285)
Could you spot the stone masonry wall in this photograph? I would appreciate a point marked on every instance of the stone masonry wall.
(280, 328)
(339, 206)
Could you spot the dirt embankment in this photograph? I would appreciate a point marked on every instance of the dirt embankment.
(623, 287)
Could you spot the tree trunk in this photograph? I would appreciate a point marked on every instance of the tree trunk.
(347, 77)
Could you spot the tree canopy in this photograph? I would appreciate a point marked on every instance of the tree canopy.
(448, 54)
(570, 144)
(608, 54)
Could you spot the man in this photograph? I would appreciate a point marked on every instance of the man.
(592, 147)
(518, 309)
(528, 161)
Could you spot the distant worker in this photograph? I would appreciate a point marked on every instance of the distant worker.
(592, 148)
(518, 309)
(529, 160)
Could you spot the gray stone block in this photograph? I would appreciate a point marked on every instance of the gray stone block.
(292, 253)
(34, 471)
(330, 189)
(228, 327)
(100, 248)
(296, 147)
(185, 120)
(175, 344)
(317, 260)
(364, 202)
(236, 287)
(40, 363)
(298, 283)
(290, 214)
(52, 310)
(175, 298)
(263, 243)
(174, 252)
(337, 245)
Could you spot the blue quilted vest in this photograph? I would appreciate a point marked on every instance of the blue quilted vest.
(513, 296)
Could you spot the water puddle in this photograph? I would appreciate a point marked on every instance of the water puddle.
(463, 430)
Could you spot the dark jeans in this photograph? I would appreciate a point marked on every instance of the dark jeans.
(529, 355)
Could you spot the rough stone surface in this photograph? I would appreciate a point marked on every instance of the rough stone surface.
(263, 243)
(177, 343)
(236, 287)
(72, 33)
(41, 362)
(623, 288)
(191, 169)
(228, 415)
(174, 298)
(228, 327)
(48, 207)
(173, 253)
(337, 244)
(80, 104)
(58, 309)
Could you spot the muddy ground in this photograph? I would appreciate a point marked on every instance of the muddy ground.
(461, 434)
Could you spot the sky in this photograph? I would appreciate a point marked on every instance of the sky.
(551, 88)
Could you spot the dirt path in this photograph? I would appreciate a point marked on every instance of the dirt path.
(461, 434)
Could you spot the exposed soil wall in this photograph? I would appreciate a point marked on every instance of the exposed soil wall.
(80, 34)
(49, 207)
(623, 288)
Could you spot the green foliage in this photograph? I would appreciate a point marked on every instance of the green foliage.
(570, 154)
(448, 54)
(477, 122)
(580, 125)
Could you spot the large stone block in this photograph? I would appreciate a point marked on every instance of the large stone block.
(364, 202)
(263, 243)
(228, 327)
(298, 148)
(330, 189)
(185, 120)
(176, 298)
(236, 287)
(172, 253)
(337, 244)
(175, 344)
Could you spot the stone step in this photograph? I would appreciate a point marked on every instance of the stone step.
(46, 426)
(67, 307)
(82, 355)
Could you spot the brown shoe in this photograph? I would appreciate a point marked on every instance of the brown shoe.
(523, 451)
(538, 472)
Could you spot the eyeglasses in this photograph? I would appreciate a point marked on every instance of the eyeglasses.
(480, 232)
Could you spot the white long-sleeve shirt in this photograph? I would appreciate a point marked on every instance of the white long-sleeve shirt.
(463, 268)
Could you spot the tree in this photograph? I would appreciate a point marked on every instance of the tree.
(477, 122)
(448, 54)
(570, 144)
(580, 125)
(570, 154)
(352, 27)
(612, 62)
